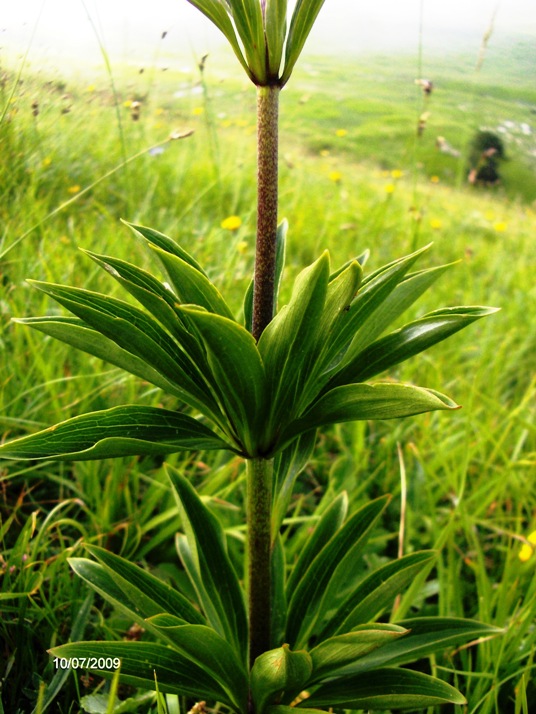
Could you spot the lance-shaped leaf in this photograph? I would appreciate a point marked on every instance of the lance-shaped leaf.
(330, 522)
(278, 676)
(217, 12)
(374, 290)
(303, 18)
(142, 663)
(249, 22)
(151, 237)
(385, 689)
(137, 332)
(238, 371)
(337, 652)
(140, 586)
(102, 580)
(158, 299)
(279, 598)
(354, 402)
(120, 431)
(76, 333)
(275, 23)
(208, 650)
(406, 342)
(375, 593)
(305, 605)
(290, 344)
(288, 465)
(340, 293)
(426, 635)
(410, 289)
(191, 286)
(217, 585)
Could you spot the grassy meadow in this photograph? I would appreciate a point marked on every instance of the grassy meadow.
(355, 174)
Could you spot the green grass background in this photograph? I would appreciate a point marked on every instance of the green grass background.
(354, 175)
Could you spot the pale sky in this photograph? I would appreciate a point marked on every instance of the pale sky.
(131, 30)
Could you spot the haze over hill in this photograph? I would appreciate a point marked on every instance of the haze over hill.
(64, 32)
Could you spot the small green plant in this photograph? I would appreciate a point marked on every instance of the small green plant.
(266, 640)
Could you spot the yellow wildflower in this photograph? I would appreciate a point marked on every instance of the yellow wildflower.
(231, 223)
(335, 176)
(500, 226)
(526, 549)
(242, 247)
(436, 224)
(396, 173)
(47, 161)
(341, 132)
(197, 111)
(128, 103)
(74, 189)
(434, 179)
(390, 188)
(90, 88)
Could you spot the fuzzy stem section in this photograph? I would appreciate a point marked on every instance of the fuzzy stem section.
(259, 474)
(267, 178)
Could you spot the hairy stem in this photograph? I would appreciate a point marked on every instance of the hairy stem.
(267, 175)
(259, 501)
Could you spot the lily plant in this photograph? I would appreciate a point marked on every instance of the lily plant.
(280, 636)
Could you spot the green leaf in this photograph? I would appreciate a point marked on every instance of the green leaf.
(374, 290)
(362, 259)
(276, 30)
(340, 294)
(139, 586)
(239, 372)
(279, 598)
(158, 299)
(143, 662)
(104, 583)
(217, 585)
(191, 286)
(426, 636)
(278, 676)
(288, 465)
(410, 288)
(119, 431)
(303, 18)
(248, 19)
(385, 689)
(138, 333)
(353, 402)
(217, 12)
(211, 652)
(305, 607)
(290, 344)
(155, 238)
(337, 652)
(375, 593)
(76, 333)
(330, 522)
(406, 342)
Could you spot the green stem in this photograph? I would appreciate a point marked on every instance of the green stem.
(259, 502)
(267, 175)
